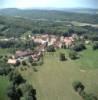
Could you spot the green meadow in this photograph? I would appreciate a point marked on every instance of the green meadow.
(4, 83)
(53, 80)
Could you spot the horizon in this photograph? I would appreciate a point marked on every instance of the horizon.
(51, 4)
(47, 8)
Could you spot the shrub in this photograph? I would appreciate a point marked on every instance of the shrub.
(13, 93)
(4, 71)
(1, 56)
(89, 97)
(17, 63)
(31, 95)
(34, 64)
(62, 57)
(4, 68)
(83, 94)
(30, 59)
(41, 62)
(78, 47)
(24, 63)
(95, 45)
(73, 55)
(51, 49)
(5, 59)
(78, 86)
(16, 78)
(28, 91)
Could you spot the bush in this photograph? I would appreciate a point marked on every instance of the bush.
(34, 64)
(1, 56)
(62, 57)
(83, 94)
(73, 55)
(95, 45)
(78, 86)
(5, 59)
(79, 47)
(30, 59)
(13, 93)
(51, 49)
(17, 63)
(24, 63)
(90, 97)
(4, 70)
(16, 78)
(41, 62)
(28, 91)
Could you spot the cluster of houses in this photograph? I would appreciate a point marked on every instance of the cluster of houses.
(43, 41)
(56, 41)
(24, 55)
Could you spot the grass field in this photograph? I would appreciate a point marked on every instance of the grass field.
(4, 51)
(53, 80)
(3, 86)
(3, 80)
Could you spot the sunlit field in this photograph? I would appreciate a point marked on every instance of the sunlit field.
(4, 83)
(53, 80)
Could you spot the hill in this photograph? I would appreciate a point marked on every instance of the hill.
(15, 22)
(82, 15)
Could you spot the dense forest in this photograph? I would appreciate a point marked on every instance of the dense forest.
(14, 22)
(52, 15)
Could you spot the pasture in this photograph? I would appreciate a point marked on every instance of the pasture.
(53, 80)
(4, 83)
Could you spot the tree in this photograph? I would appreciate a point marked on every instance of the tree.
(13, 93)
(78, 86)
(78, 47)
(95, 45)
(30, 59)
(86, 96)
(2, 71)
(16, 78)
(17, 63)
(28, 91)
(24, 63)
(62, 57)
(42, 31)
(31, 94)
(90, 97)
(4, 68)
(51, 48)
(73, 55)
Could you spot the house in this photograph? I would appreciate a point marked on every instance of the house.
(45, 37)
(40, 40)
(12, 61)
(68, 41)
(36, 56)
(22, 54)
(87, 42)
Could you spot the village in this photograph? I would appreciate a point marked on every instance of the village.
(49, 50)
(43, 41)
(43, 55)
